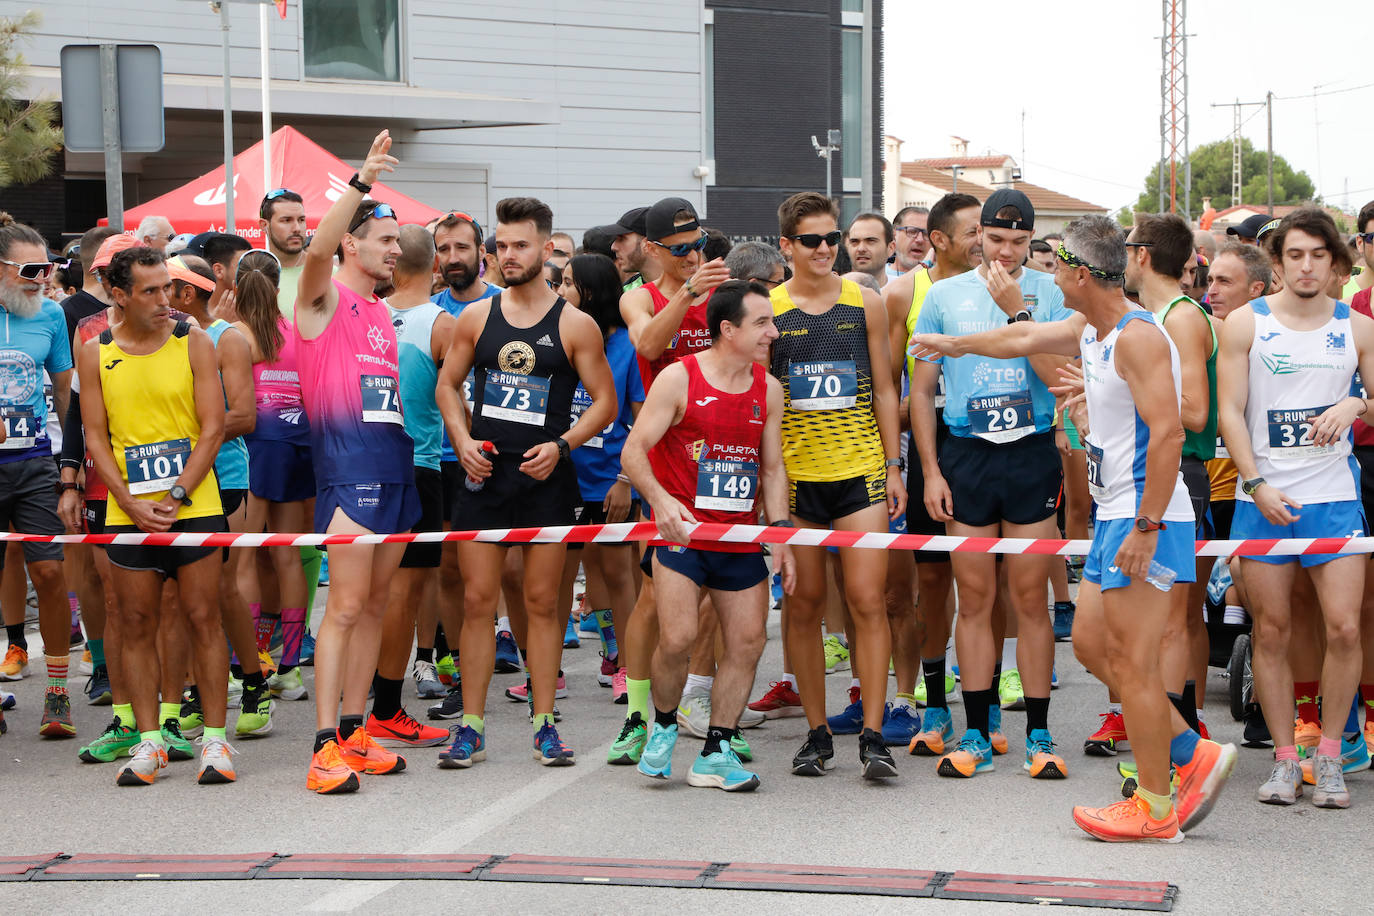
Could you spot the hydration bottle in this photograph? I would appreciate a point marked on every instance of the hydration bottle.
(472, 483)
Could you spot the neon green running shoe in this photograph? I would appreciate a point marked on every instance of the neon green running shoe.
(626, 750)
(178, 747)
(447, 670)
(1009, 692)
(741, 748)
(114, 742)
(192, 718)
(836, 655)
(255, 715)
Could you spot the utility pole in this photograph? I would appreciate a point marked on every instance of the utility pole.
(1173, 121)
(1269, 102)
(826, 152)
(1236, 146)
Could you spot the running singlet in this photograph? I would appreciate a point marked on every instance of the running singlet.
(598, 460)
(709, 462)
(419, 377)
(444, 299)
(1117, 444)
(277, 391)
(150, 409)
(350, 384)
(1294, 376)
(829, 431)
(30, 345)
(231, 464)
(1363, 432)
(1201, 445)
(523, 384)
(692, 336)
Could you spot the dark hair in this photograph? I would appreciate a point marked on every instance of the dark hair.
(1170, 239)
(91, 241)
(555, 273)
(598, 285)
(526, 209)
(1365, 217)
(490, 245)
(718, 245)
(889, 234)
(727, 302)
(14, 232)
(597, 241)
(1038, 246)
(221, 247)
(942, 214)
(256, 283)
(799, 206)
(120, 271)
(907, 211)
(265, 208)
(70, 275)
(453, 221)
(1317, 223)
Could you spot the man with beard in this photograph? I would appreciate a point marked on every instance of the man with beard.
(458, 244)
(281, 217)
(630, 256)
(35, 339)
(870, 241)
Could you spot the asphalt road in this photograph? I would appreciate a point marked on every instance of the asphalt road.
(1246, 856)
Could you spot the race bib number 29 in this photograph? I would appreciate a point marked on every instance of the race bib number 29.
(1290, 434)
(1001, 417)
(154, 467)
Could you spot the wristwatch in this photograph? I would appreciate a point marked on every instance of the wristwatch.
(564, 449)
(782, 523)
(178, 492)
(1144, 524)
(361, 185)
(1248, 487)
(898, 463)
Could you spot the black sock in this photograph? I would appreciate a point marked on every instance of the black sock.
(424, 655)
(976, 706)
(254, 680)
(1190, 701)
(236, 671)
(665, 718)
(997, 674)
(322, 737)
(441, 647)
(933, 671)
(1037, 713)
(14, 632)
(386, 697)
(348, 725)
(715, 735)
(1186, 709)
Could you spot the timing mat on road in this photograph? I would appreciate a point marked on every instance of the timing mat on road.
(585, 870)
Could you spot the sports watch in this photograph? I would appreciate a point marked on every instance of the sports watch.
(178, 492)
(1248, 487)
(1144, 524)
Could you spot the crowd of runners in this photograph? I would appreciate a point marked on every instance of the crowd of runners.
(1141, 387)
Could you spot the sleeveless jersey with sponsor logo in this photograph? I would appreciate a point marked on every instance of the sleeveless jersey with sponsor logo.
(692, 336)
(277, 392)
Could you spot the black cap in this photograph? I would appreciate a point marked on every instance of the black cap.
(599, 239)
(630, 221)
(1008, 197)
(658, 222)
(197, 244)
(1250, 227)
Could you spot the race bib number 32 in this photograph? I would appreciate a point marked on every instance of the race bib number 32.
(21, 427)
(726, 485)
(1290, 434)
(381, 400)
(830, 385)
(1001, 417)
(516, 398)
(154, 467)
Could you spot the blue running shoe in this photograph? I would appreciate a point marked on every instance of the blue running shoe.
(588, 626)
(1063, 621)
(507, 654)
(1041, 760)
(851, 721)
(1054, 678)
(995, 736)
(570, 640)
(308, 650)
(469, 747)
(721, 770)
(900, 725)
(954, 670)
(938, 733)
(550, 750)
(323, 581)
(972, 756)
(656, 760)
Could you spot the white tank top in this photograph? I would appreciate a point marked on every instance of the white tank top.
(1294, 376)
(1118, 438)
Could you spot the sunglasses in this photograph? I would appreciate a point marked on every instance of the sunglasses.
(1074, 260)
(277, 192)
(685, 248)
(378, 211)
(814, 239)
(459, 214)
(911, 231)
(33, 270)
(1366, 237)
(1139, 244)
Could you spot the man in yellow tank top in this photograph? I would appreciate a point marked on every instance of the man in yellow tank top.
(154, 420)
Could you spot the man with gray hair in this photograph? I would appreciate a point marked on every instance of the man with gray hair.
(155, 232)
(756, 261)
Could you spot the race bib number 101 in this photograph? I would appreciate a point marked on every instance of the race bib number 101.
(154, 467)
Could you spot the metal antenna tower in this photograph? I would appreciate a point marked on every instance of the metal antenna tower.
(1236, 150)
(1173, 119)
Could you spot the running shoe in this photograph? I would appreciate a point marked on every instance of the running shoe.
(7, 700)
(656, 760)
(1331, 791)
(1284, 784)
(427, 683)
(216, 762)
(550, 750)
(175, 742)
(741, 747)
(972, 756)
(1256, 731)
(694, 713)
(1041, 760)
(308, 650)
(265, 662)
(452, 705)
(938, 732)
(1201, 780)
(954, 670)
(900, 725)
(920, 692)
(570, 637)
(87, 663)
(328, 774)
(874, 756)
(192, 718)
(721, 770)
(1128, 821)
(605, 677)
(469, 746)
(1354, 757)
(507, 654)
(323, 580)
(148, 758)
(288, 685)
(4, 726)
(587, 624)
(850, 721)
(234, 696)
(1063, 620)
(620, 691)
(1109, 738)
(817, 755)
(16, 664)
(446, 669)
(1306, 735)
(114, 742)
(780, 702)
(365, 755)
(401, 729)
(1368, 734)
(98, 687)
(627, 748)
(521, 692)
(1009, 692)
(836, 654)
(255, 712)
(57, 715)
(1054, 677)
(996, 738)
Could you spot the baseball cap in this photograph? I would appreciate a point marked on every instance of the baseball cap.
(1250, 227)
(658, 221)
(1008, 197)
(178, 243)
(1267, 227)
(110, 247)
(181, 271)
(196, 245)
(630, 221)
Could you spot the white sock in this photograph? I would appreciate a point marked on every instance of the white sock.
(1009, 653)
(503, 623)
(853, 682)
(1233, 614)
(698, 683)
(1199, 715)
(900, 700)
(1114, 708)
(789, 679)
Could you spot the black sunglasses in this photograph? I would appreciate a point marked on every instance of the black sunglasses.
(378, 211)
(685, 248)
(911, 231)
(1366, 237)
(33, 270)
(1139, 244)
(814, 239)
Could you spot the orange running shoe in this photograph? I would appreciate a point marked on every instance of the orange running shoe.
(1369, 737)
(1128, 821)
(972, 756)
(1306, 735)
(329, 775)
(364, 755)
(401, 729)
(1201, 780)
(1041, 760)
(1109, 738)
(16, 664)
(939, 729)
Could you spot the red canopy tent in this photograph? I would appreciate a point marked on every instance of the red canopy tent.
(298, 163)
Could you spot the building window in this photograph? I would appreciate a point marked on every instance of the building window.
(851, 103)
(352, 39)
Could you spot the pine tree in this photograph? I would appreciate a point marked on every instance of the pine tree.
(29, 135)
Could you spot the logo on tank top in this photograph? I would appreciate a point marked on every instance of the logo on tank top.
(694, 449)
(844, 326)
(377, 337)
(1335, 343)
(544, 341)
(18, 376)
(516, 356)
(1270, 336)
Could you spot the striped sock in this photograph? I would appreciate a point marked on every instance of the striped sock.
(292, 632)
(57, 672)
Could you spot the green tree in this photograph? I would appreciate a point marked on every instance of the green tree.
(1212, 178)
(29, 135)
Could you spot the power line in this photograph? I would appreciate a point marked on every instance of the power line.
(1308, 95)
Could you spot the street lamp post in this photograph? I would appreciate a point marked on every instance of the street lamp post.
(832, 143)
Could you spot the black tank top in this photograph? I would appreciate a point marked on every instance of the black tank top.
(523, 383)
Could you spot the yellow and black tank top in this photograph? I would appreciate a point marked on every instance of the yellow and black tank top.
(150, 406)
(921, 284)
(829, 431)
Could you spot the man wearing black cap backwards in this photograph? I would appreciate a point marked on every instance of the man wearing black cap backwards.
(629, 232)
(998, 473)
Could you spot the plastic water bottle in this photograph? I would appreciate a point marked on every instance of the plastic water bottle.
(1160, 576)
(488, 452)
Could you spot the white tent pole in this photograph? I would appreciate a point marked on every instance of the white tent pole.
(266, 100)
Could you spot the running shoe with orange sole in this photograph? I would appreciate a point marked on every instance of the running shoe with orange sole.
(996, 737)
(146, 759)
(328, 774)
(1041, 760)
(1128, 821)
(972, 756)
(401, 729)
(1306, 735)
(364, 755)
(938, 731)
(1201, 780)
(1109, 738)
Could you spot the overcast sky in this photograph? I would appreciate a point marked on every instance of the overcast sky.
(1087, 74)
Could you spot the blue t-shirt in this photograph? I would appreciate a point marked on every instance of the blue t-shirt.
(28, 346)
(231, 464)
(445, 300)
(419, 376)
(999, 400)
(598, 460)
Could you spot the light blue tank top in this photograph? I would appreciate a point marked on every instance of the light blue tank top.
(231, 464)
(419, 377)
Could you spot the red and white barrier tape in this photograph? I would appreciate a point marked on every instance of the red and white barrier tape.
(703, 533)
